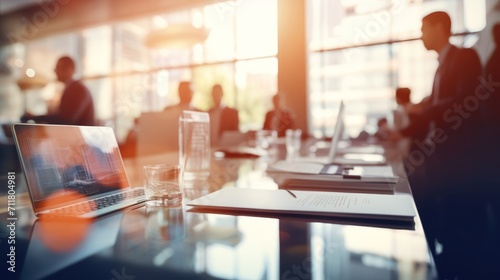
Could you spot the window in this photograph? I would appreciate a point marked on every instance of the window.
(126, 77)
(360, 51)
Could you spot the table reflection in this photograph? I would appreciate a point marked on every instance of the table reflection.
(179, 243)
(221, 246)
(164, 223)
(245, 247)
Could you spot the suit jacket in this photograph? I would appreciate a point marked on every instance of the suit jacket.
(76, 107)
(279, 120)
(492, 73)
(491, 114)
(227, 118)
(453, 160)
(459, 79)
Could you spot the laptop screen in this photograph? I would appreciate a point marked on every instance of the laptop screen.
(60, 161)
(337, 134)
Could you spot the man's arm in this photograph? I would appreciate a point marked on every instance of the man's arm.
(418, 119)
(465, 82)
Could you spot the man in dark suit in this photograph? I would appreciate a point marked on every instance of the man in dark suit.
(227, 118)
(76, 106)
(450, 202)
(492, 71)
(450, 116)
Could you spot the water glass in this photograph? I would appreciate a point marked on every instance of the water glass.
(163, 185)
(266, 139)
(293, 139)
(194, 144)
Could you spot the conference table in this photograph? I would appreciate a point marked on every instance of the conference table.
(181, 243)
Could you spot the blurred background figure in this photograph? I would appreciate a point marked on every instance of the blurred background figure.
(76, 106)
(185, 92)
(492, 119)
(383, 130)
(401, 116)
(280, 118)
(447, 161)
(492, 72)
(159, 131)
(225, 118)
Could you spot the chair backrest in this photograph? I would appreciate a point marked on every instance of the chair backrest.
(158, 132)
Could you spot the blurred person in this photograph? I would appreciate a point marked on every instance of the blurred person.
(158, 132)
(280, 118)
(76, 106)
(383, 130)
(440, 115)
(185, 92)
(400, 115)
(226, 118)
(492, 72)
(492, 118)
(450, 153)
(492, 110)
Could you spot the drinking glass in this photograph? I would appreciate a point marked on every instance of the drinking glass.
(163, 185)
(293, 138)
(194, 144)
(266, 140)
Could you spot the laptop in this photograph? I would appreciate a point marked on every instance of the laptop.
(74, 170)
(345, 169)
(351, 155)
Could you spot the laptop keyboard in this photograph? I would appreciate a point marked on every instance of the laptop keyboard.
(98, 203)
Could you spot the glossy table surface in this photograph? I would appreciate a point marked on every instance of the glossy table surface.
(164, 243)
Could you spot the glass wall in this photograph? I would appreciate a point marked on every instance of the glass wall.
(126, 77)
(360, 51)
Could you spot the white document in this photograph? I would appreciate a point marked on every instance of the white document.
(347, 205)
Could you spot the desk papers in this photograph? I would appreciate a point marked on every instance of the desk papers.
(307, 176)
(335, 204)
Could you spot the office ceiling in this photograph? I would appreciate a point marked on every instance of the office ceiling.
(10, 5)
(24, 20)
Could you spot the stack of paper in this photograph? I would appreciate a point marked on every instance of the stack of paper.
(308, 176)
(346, 205)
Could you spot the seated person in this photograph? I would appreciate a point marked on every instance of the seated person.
(226, 118)
(401, 117)
(280, 118)
(401, 114)
(76, 106)
(185, 92)
(383, 130)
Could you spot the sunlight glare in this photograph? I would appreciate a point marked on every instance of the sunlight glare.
(474, 15)
(30, 72)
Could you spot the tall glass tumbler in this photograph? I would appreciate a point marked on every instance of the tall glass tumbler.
(194, 144)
